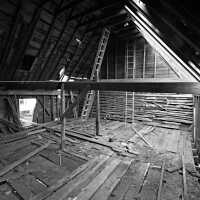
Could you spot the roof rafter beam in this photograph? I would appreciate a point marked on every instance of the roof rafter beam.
(71, 4)
(83, 54)
(111, 22)
(101, 18)
(17, 58)
(76, 28)
(43, 45)
(44, 69)
(182, 69)
(98, 8)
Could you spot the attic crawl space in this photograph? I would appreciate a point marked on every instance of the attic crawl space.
(99, 100)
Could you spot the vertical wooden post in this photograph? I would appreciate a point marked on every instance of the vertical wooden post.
(144, 61)
(63, 118)
(44, 109)
(52, 107)
(116, 48)
(107, 64)
(97, 106)
(56, 106)
(134, 75)
(155, 69)
(197, 122)
(194, 119)
(126, 76)
(126, 112)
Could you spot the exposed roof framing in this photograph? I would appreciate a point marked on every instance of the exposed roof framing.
(69, 5)
(62, 53)
(86, 53)
(161, 44)
(56, 45)
(65, 33)
(108, 5)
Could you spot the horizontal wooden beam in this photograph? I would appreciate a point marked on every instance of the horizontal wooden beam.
(142, 80)
(30, 93)
(133, 86)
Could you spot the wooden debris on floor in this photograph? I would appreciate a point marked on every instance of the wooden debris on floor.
(8, 128)
(164, 110)
(33, 167)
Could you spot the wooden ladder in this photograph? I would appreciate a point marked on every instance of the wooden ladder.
(96, 67)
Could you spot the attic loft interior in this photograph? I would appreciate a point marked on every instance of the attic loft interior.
(99, 100)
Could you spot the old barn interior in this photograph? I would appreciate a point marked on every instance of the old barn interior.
(99, 100)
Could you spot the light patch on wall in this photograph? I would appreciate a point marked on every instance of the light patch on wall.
(26, 109)
(179, 66)
(140, 4)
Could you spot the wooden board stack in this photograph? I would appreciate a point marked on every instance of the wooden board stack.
(167, 110)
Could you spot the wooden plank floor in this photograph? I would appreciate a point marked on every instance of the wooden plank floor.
(96, 171)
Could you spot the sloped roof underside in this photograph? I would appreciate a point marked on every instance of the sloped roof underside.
(38, 38)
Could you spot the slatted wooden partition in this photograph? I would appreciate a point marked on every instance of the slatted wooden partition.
(141, 61)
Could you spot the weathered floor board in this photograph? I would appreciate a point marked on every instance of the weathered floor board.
(95, 171)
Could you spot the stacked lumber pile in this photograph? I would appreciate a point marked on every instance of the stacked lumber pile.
(7, 127)
(165, 110)
(169, 109)
(9, 120)
(13, 110)
(112, 105)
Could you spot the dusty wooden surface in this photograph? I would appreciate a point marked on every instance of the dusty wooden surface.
(98, 168)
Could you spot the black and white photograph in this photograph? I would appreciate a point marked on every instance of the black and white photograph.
(99, 100)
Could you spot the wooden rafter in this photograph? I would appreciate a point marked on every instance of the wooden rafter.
(85, 52)
(10, 39)
(180, 66)
(69, 5)
(56, 66)
(109, 5)
(44, 66)
(110, 22)
(24, 42)
(108, 16)
(43, 46)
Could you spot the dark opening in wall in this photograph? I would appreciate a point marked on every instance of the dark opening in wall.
(27, 62)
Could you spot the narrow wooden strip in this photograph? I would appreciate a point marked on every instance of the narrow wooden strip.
(26, 157)
(20, 188)
(185, 194)
(161, 181)
(144, 177)
(75, 154)
(92, 140)
(141, 136)
(91, 188)
(65, 179)
(64, 191)
(104, 192)
(130, 183)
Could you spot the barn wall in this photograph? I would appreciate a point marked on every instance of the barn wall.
(3, 108)
(49, 107)
(141, 61)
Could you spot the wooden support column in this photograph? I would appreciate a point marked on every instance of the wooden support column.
(107, 68)
(63, 118)
(144, 61)
(57, 115)
(44, 108)
(197, 121)
(126, 77)
(155, 65)
(52, 107)
(134, 75)
(97, 106)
